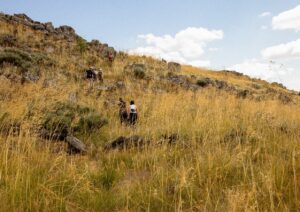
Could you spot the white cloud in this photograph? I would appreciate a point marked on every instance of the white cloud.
(186, 46)
(283, 51)
(289, 19)
(259, 69)
(265, 14)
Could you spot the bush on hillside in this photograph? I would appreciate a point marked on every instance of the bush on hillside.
(204, 82)
(66, 118)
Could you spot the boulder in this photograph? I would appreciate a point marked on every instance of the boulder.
(75, 145)
(124, 143)
(49, 27)
(23, 17)
(174, 67)
(39, 26)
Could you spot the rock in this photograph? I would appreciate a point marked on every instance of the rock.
(24, 17)
(49, 27)
(39, 26)
(204, 82)
(120, 85)
(174, 67)
(75, 145)
(124, 143)
(67, 30)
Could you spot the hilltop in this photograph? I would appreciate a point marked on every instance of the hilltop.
(205, 140)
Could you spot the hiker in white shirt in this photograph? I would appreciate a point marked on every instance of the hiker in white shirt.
(132, 113)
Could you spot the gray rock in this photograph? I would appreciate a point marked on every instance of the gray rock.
(174, 67)
(124, 143)
(49, 27)
(39, 27)
(75, 145)
(120, 85)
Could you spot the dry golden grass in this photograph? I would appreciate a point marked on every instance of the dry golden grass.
(232, 155)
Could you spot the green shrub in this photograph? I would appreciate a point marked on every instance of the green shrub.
(81, 45)
(139, 73)
(15, 58)
(203, 82)
(61, 120)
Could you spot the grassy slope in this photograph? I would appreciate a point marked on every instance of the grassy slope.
(233, 154)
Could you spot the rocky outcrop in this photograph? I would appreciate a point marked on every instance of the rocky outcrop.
(174, 67)
(103, 50)
(62, 31)
(126, 142)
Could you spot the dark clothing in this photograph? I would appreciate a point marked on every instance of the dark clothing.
(90, 74)
(133, 118)
(123, 116)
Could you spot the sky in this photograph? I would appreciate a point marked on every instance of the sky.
(258, 38)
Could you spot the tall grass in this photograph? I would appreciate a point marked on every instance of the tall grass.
(232, 154)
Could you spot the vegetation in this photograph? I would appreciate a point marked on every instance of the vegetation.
(232, 154)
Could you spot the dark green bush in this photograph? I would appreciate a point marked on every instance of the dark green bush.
(81, 45)
(61, 120)
(139, 73)
(203, 82)
(18, 59)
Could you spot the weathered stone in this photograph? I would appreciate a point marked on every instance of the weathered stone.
(174, 67)
(120, 85)
(49, 27)
(75, 145)
(23, 17)
(124, 143)
(39, 27)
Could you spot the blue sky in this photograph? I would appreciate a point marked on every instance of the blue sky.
(218, 34)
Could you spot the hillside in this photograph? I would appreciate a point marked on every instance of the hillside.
(205, 140)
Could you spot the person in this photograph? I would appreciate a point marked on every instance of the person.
(133, 116)
(123, 115)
